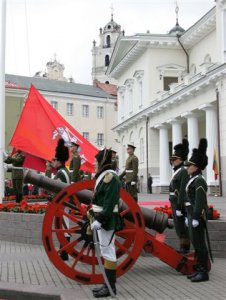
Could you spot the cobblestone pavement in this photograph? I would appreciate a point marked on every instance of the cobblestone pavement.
(26, 268)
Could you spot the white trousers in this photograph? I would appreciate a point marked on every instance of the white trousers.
(107, 250)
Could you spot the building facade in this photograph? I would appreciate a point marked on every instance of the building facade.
(172, 86)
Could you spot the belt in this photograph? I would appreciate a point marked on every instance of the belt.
(172, 194)
(187, 203)
(129, 171)
(97, 208)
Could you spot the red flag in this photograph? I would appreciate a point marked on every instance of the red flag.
(215, 164)
(39, 128)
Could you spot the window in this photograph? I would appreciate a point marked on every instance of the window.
(108, 41)
(54, 104)
(107, 60)
(70, 109)
(86, 135)
(100, 112)
(167, 81)
(85, 110)
(100, 139)
(130, 100)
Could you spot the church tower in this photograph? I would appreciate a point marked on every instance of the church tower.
(102, 54)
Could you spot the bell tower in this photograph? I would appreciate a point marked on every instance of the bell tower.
(101, 53)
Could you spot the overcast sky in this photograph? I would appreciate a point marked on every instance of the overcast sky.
(36, 29)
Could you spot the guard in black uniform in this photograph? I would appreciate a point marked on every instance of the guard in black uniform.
(177, 195)
(61, 156)
(196, 206)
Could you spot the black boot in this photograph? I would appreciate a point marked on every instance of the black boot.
(97, 289)
(64, 254)
(196, 270)
(104, 291)
(201, 275)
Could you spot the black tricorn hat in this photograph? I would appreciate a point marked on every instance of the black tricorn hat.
(181, 151)
(131, 146)
(199, 157)
(62, 153)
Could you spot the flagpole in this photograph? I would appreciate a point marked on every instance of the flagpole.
(2, 94)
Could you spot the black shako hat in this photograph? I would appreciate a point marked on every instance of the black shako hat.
(104, 157)
(62, 152)
(181, 151)
(199, 157)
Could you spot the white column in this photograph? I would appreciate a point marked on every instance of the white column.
(212, 140)
(193, 130)
(176, 131)
(2, 93)
(164, 165)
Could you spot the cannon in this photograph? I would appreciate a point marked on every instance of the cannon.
(140, 232)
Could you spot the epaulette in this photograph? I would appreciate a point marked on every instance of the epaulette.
(108, 177)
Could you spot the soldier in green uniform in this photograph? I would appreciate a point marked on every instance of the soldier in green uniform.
(177, 194)
(75, 163)
(131, 172)
(48, 170)
(61, 156)
(114, 161)
(107, 218)
(17, 160)
(196, 206)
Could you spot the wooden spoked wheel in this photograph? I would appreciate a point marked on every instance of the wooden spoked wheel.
(66, 228)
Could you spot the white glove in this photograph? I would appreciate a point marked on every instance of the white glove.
(5, 155)
(186, 222)
(179, 213)
(133, 182)
(195, 223)
(96, 225)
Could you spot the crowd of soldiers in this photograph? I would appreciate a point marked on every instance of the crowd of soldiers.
(187, 195)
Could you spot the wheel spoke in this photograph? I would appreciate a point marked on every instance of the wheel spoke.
(79, 256)
(124, 212)
(70, 245)
(121, 247)
(73, 218)
(68, 230)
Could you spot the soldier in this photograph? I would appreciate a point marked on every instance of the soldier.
(131, 172)
(107, 218)
(114, 161)
(17, 160)
(177, 195)
(61, 156)
(75, 163)
(48, 170)
(197, 207)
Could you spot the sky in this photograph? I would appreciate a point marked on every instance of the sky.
(36, 30)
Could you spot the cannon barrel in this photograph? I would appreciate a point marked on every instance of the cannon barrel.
(153, 219)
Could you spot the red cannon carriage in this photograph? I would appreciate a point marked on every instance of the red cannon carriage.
(139, 232)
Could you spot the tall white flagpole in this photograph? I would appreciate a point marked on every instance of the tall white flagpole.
(2, 93)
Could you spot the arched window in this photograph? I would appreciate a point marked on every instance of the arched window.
(107, 60)
(108, 41)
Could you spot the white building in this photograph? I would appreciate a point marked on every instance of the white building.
(171, 86)
(101, 54)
